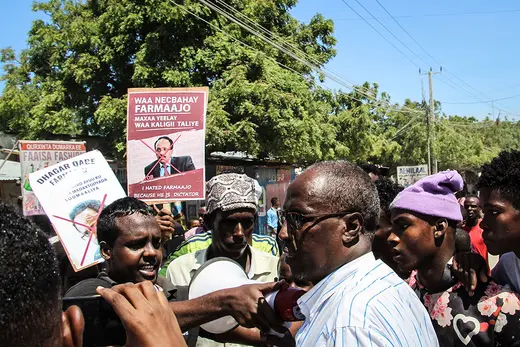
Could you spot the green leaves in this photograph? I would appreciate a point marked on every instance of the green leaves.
(74, 76)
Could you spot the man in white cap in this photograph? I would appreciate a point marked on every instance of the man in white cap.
(231, 204)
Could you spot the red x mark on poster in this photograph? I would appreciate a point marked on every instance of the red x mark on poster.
(91, 229)
(162, 157)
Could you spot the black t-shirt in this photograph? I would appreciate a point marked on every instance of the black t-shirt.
(88, 287)
(101, 323)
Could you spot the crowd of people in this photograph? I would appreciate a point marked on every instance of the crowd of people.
(382, 265)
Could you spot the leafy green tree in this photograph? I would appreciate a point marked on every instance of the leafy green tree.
(74, 76)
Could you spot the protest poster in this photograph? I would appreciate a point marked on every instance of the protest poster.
(166, 143)
(72, 193)
(36, 155)
(408, 175)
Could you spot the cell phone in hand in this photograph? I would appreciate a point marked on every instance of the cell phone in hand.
(102, 325)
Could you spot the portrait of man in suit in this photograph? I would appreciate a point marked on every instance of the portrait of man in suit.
(166, 164)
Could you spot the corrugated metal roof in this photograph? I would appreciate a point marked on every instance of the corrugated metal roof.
(8, 178)
(10, 169)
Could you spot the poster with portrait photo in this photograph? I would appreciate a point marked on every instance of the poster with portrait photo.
(72, 193)
(35, 155)
(166, 143)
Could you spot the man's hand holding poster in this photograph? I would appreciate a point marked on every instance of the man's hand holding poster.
(73, 193)
(165, 147)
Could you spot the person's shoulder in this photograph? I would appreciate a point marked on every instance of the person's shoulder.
(259, 254)
(265, 243)
(180, 270)
(507, 271)
(374, 281)
(87, 287)
(492, 289)
(186, 261)
(193, 231)
(185, 258)
(197, 239)
(265, 264)
(263, 238)
(149, 166)
(509, 259)
(194, 243)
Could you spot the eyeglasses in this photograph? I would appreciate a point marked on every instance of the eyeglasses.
(295, 220)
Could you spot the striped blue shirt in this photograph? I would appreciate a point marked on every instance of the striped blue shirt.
(364, 303)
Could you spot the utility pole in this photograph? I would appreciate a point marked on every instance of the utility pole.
(430, 119)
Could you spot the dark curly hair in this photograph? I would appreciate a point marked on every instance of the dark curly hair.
(107, 229)
(30, 284)
(370, 168)
(502, 175)
(387, 191)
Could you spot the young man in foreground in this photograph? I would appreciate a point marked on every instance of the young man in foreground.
(30, 296)
(499, 188)
(130, 240)
(424, 220)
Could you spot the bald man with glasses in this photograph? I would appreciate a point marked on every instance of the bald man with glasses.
(331, 213)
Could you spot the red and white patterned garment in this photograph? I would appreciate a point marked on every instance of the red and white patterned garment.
(491, 317)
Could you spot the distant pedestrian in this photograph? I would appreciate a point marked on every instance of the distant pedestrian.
(273, 217)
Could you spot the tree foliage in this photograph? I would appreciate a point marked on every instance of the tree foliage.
(74, 76)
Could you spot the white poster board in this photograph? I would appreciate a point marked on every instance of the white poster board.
(36, 155)
(408, 175)
(72, 193)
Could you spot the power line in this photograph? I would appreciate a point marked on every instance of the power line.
(460, 89)
(457, 86)
(511, 86)
(292, 54)
(407, 33)
(232, 37)
(480, 102)
(452, 84)
(355, 88)
(377, 31)
(390, 32)
(400, 131)
(283, 41)
(438, 15)
(503, 108)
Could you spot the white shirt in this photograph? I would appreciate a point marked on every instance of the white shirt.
(364, 303)
(507, 271)
(264, 267)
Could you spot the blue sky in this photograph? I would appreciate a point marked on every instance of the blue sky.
(477, 47)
